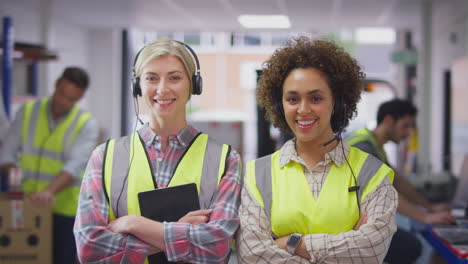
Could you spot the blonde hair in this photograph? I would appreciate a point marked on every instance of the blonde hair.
(164, 47)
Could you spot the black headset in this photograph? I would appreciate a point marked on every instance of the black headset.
(339, 113)
(197, 81)
(197, 84)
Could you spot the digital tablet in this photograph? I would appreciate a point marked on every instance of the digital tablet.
(169, 204)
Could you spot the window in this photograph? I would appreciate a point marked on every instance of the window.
(192, 39)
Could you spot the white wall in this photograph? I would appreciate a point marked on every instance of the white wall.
(376, 61)
(26, 19)
(104, 93)
(449, 42)
(71, 43)
(95, 50)
(98, 51)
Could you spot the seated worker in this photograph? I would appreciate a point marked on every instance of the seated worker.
(51, 140)
(316, 200)
(395, 120)
(167, 151)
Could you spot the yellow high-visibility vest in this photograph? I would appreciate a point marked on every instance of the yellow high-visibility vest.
(365, 135)
(43, 153)
(127, 171)
(285, 195)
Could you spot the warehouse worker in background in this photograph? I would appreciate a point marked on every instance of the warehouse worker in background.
(395, 121)
(50, 140)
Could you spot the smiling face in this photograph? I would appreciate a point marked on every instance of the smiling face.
(308, 105)
(165, 87)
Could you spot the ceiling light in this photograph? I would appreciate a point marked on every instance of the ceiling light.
(264, 21)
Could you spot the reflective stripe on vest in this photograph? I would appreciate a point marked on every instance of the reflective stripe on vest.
(365, 135)
(285, 195)
(127, 156)
(43, 152)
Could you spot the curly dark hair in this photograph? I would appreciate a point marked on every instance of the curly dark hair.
(342, 72)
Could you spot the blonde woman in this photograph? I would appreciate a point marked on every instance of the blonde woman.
(166, 74)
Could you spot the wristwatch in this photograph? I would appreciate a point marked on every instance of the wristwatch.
(293, 242)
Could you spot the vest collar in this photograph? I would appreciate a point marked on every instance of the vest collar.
(288, 154)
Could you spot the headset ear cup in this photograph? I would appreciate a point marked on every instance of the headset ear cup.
(345, 118)
(279, 109)
(337, 116)
(197, 84)
(136, 87)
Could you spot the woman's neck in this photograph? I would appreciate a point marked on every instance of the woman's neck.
(166, 128)
(314, 152)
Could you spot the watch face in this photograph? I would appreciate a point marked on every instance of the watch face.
(293, 240)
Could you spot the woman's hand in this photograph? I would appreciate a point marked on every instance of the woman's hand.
(196, 217)
(362, 221)
(282, 242)
(123, 225)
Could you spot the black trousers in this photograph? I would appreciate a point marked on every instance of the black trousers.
(405, 248)
(64, 248)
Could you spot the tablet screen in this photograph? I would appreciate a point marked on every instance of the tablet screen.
(169, 204)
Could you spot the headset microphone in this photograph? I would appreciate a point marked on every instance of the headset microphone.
(354, 188)
(139, 120)
(330, 141)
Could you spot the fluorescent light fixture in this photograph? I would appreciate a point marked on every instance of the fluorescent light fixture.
(375, 35)
(264, 21)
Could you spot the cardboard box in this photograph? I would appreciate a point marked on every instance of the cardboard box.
(25, 232)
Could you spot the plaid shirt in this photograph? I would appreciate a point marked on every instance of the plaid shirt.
(184, 242)
(369, 244)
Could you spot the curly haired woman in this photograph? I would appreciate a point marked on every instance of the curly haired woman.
(316, 200)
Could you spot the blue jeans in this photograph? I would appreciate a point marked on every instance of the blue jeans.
(64, 248)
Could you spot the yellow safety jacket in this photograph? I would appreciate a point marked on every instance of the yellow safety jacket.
(285, 195)
(43, 152)
(365, 135)
(127, 171)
